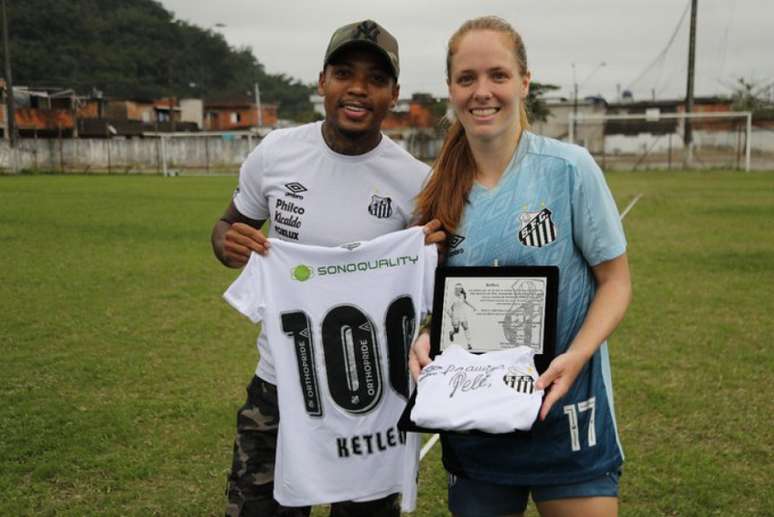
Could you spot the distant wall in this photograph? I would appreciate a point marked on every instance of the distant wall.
(216, 153)
(422, 143)
(762, 140)
(225, 153)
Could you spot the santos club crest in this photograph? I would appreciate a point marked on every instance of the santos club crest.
(520, 383)
(380, 207)
(537, 228)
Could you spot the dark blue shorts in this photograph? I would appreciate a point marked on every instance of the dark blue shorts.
(470, 497)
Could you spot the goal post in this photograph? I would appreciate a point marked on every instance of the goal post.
(716, 128)
(203, 150)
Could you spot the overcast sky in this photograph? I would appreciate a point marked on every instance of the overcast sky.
(735, 39)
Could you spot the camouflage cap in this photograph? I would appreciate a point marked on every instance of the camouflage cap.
(369, 33)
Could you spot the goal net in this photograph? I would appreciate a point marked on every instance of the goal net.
(205, 152)
(655, 140)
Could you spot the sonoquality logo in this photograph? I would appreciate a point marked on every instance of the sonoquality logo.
(302, 273)
(367, 265)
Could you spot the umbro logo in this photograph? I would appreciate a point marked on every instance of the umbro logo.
(294, 189)
(455, 240)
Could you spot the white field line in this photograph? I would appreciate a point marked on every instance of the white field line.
(433, 439)
(630, 205)
(427, 446)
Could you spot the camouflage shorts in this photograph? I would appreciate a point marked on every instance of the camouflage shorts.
(251, 481)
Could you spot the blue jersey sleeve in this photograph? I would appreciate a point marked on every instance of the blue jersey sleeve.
(597, 228)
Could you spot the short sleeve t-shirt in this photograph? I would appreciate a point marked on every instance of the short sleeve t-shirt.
(340, 322)
(492, 392)
(313, 195)
(552, 207)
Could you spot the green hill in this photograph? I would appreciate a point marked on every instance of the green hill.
(136, 49)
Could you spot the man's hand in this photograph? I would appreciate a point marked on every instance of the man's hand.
(419, 355)
(235, 236)
(239, 241)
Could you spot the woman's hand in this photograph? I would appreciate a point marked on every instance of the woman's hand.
(433, 233)
(614, 292)
(419, 355)
(558, 378)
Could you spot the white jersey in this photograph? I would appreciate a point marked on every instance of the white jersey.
(492, 392)
(340, 322)
(313, 195)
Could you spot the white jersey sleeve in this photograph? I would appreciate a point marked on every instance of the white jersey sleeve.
(250, 198)
(246, 294)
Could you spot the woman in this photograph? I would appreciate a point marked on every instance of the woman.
(522, 199)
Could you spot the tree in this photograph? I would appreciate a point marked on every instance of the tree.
(755, 97)
(137, 49)
(537, 110)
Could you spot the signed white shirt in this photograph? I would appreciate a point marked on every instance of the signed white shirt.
(492, 392)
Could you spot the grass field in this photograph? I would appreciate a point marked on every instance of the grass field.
(122, 368)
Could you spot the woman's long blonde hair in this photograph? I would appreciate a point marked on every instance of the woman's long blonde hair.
(446, 192)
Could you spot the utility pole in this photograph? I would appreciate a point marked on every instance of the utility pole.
(574, 105)
(575, 89)
(258, 105)
(688, 136)
(172, 102)
(74, 106)
(10, 128)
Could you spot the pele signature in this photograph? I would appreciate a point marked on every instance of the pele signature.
(460, 381)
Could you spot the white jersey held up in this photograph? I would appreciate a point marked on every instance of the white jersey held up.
(340, 322)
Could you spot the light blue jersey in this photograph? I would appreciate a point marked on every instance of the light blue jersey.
(551, 207)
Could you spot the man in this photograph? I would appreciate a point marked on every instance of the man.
(324, 184)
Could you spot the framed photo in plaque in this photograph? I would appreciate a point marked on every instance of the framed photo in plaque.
(484, 309)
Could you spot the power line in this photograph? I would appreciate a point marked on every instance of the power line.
(659, 60)
(724, 39)
(688, 133)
